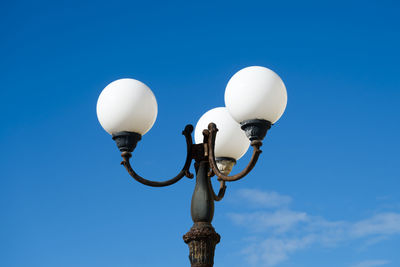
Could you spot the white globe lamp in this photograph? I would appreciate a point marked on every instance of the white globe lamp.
(255, 95)
(126, 109)
(231, 142)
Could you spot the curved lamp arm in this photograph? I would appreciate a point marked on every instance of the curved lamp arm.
(184, 172)
(256, 144)
(221, 192)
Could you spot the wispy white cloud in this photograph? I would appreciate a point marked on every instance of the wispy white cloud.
(264, 199)
(278, 233)
(380, 224)
(278, 221)
(371, 263)
(272, 251)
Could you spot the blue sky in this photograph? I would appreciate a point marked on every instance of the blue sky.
(325, 192)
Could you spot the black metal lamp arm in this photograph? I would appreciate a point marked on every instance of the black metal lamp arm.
(221, 192)
(184, 172)
(256, 144)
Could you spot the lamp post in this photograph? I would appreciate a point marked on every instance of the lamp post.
(255, 99)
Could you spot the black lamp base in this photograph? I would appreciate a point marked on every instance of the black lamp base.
(126, 141)
(256, 129)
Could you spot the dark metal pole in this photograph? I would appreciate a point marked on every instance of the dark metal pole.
(202, 237)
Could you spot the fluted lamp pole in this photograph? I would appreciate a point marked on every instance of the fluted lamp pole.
(255, 99)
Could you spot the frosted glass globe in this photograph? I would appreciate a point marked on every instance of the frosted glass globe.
(231, 141)
(127, 105)
(256, 93)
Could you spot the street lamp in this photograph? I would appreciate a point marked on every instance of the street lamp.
(255, 98)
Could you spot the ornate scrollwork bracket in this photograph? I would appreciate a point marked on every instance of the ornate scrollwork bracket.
(199, 152)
